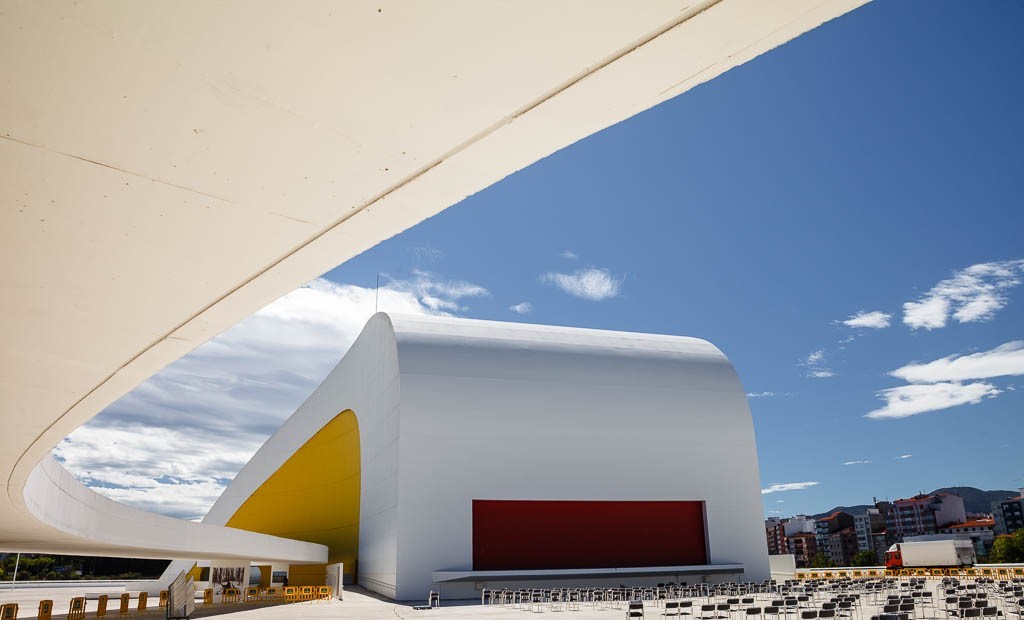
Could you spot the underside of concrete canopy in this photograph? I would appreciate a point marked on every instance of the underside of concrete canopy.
(168, 168)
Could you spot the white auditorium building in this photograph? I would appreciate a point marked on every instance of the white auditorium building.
(452, 454)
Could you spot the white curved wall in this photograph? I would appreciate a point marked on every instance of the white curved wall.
(452, 410)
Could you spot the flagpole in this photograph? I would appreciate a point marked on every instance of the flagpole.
(17, 561)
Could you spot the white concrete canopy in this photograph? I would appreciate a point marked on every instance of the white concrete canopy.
(171, 167)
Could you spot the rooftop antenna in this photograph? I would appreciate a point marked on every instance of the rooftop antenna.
(376, 294)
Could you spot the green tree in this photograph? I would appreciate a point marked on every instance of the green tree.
(821, 561)
(1008, 548)
(865, 558)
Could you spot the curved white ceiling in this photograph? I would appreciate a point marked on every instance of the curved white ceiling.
(169, 168)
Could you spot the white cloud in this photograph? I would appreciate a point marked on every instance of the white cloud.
(760, 394)
(950, 381)
(815, 364)
(788, 486)
(593, 284)
(872, 320)
(172, 444)
(904, 456)
(439, 295)
(570, 255)
(908, 400)
(424, 254)
(1005, 360)
(972, 294)
(524, 307)
(856, 462)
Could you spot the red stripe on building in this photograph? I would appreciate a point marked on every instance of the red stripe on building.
(538, 535)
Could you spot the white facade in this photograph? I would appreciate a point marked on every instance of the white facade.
(799, 523)
(452, 410)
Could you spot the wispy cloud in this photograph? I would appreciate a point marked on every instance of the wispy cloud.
(788, 486)
(972, 294)
(760, 394)
(871, 320)
(908, 400)
(173, 444)
(950, 381)
(856, 462)
(593, 284)
(816, 365)
(524, 307)
(436, 293)
(904, 456)
(1005, 360)
(424, 254)
(570, 255)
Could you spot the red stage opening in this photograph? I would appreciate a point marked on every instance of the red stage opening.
(538, 534)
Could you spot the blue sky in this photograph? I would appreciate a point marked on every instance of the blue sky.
(873, 162)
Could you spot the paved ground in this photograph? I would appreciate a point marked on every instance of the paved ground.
(363, 605)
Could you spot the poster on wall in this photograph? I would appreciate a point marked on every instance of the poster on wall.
(278, 576)
(226, 577)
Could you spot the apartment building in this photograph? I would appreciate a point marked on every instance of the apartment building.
(803, 546)
(923, 515)
(1008, 514)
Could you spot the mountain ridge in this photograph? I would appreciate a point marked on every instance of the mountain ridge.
(975, 500)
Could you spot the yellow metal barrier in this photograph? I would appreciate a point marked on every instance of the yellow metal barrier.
(231, 595)
(101, 606)
(143, 601)
(1018, 572)
(8, 611)
(76, 610)
(323, 593)
(291, 594)
(252, 595)
(125, 606)
(45, 610)
(801, 575)
(208, 596)
(272, 594)
(305, 593)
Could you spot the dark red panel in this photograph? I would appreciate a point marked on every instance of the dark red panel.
(537, 535)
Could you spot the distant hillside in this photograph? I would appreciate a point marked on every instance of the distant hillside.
(859, 509)
(975, 500)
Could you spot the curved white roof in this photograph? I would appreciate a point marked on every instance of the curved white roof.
(450, 410)
(169, 168)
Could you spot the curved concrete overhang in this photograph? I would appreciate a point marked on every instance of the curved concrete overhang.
(77, 520)
(170, 168)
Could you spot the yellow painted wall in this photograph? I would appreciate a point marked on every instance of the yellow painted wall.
(313, 496)
(307, 574)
